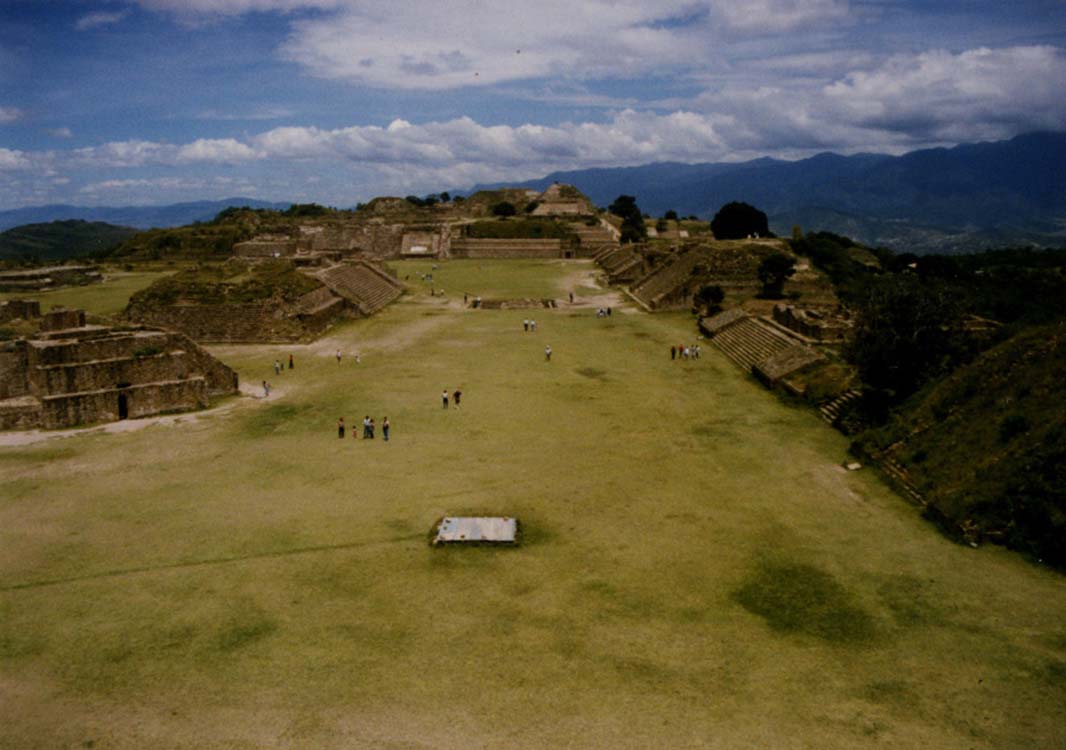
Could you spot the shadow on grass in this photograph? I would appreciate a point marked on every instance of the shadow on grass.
(274, 419)
(801, 599)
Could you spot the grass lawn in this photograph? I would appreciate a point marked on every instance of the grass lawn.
(107, 298)
(697, 569)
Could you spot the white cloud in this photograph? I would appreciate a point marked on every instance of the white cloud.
(977, 93)
(60, 132)
(13, 159)
(217, 151)
(96, 20)
(413, 44)
(10, 114)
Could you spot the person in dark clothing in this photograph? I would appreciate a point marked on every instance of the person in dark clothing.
(340, 427)
(456, 396)
(290, 362)
(444, 397)
(673, 352)
(385, 429)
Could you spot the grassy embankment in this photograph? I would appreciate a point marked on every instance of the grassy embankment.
(697, 572)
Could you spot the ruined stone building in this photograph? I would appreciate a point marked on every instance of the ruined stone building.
(72, 373)
(36, 279)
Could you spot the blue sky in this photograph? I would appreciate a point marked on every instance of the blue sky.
(337, 101)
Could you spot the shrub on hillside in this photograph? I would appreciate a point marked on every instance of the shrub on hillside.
(736, 220)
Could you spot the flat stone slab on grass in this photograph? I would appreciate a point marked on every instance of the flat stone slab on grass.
(476, 530)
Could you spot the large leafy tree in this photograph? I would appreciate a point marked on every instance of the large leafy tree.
(907, 331)
(625, 206)
(773, 271)
(735, 221)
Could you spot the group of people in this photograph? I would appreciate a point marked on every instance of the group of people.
(685, 351)
(457, 397)
(603, 312)
(529, 325)
(368, 428)
(278, 368)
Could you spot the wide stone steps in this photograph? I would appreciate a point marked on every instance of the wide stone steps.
(831, 410)
(749, 342)
(361, 285)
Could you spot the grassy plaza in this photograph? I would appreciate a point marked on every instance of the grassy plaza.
(697, 569)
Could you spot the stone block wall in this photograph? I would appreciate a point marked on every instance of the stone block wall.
(19, 309)
(60, 320)
(493, 248)
(12, 371)
(140, 401)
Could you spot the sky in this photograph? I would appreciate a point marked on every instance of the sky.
(136, 102)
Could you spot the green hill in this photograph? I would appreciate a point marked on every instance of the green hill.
(987, 445)
(59, 240)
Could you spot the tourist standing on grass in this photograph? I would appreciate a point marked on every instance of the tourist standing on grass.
(673, 352)
(340, 428)
(532, 325)
(547, 354)
(277, 366)
(444, 397)
(366, 427)
(385, 428)
(338, 356)
(525, 325)
(290, 362)
(370, 429)
(266, 389)
(456, 396)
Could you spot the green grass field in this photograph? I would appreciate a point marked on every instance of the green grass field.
(697, 569)
(107, 298)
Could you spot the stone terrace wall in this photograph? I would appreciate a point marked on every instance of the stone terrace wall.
(15, 309)
(264, 321)
(141, 400)
(365, 286)
(666, 285)
(13, 381)
(504, 248)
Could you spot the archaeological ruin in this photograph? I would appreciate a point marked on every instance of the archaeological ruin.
(39, 279)
(73, 373)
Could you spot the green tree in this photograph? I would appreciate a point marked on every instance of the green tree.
(504, 208)
(907, 331)
(735, 221)
(774, 270)
(671, 215)
(625, 206)
(709, 298)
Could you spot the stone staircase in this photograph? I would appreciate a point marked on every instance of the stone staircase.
(593, 239)
(831, 410)
(368, 288)
(750, 341)
(664, 281)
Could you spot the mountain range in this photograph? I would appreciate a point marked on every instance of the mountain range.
(969, 197)
(139, 217)
(945, 199)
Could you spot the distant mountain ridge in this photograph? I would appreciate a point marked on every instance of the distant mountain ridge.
(966, 197)
(59, 240)
(140, 217)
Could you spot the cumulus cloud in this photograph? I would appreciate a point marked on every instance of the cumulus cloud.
(941, 95)
(10, 114)
(60, 132)
(96, 20)
(10, 159)
(413, 44)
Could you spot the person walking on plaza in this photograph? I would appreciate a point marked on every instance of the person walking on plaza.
(525, 325)
(444, 397)
(370, 429)
(290, 362)
(547, 354)
(340, 428)
(456, 396)
(385, 429)
(277, 366)
(266, 389)
(673, 352)
(366, 427)
(532, 325)
(338, 356)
